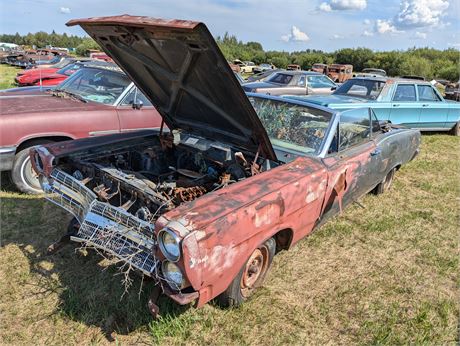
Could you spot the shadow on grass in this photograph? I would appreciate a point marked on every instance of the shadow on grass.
(89, 290)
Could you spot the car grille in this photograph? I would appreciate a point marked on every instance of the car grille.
(103, 226)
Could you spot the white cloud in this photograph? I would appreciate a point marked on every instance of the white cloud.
(367, 33)
(296, 35)
(65, 10)
(340, 5)
(421, 35)
(336, 37)
(325, 7)
(366, 22)
(420, 13)
(384, 27)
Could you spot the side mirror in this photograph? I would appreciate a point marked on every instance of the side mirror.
(137, 104)
(333, 88)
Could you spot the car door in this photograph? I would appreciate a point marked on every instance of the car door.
(404, 107)
(136, 112)
(353, 161)
(433, 112)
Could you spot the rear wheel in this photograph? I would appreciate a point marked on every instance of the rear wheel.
(456, 129)
(250, 276)
(23, 176)
(385, 184)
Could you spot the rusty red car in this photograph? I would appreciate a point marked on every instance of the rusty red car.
(97, 100)
(203, 207)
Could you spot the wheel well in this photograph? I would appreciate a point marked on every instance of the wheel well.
(40, 140)
(283, 239)
(397, 167)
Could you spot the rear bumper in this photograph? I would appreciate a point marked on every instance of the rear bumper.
(7, 158)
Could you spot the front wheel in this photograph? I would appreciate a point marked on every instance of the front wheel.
(250, 276)
(22, 174)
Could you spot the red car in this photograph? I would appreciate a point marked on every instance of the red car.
(49, 77)
(203, 209)
(92, 102)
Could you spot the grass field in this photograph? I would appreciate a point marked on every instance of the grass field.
(7, 74)
(385, 274)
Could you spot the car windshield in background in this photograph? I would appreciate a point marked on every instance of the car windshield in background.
(366, 88)
(96, 85)
(320, 81)
(69, 69)
(280, 78)
(291, 127)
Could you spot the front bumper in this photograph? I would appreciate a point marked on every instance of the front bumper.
(7, 158)
(111, 229)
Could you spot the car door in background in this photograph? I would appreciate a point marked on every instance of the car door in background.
(320, 85)
(136, 112)
(433, 112)
(404, 107)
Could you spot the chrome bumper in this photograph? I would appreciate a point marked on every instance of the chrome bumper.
(103, 226)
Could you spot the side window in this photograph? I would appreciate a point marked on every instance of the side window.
(354, 128)
(404, 92)
(135, 94)
(301, 82)
(375, 123)
(426, 93)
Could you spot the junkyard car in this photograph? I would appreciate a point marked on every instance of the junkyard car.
(96, 100)
(203, 209)
(339, 73)
(263, 67)
(245, 66)
(293, 83)
(411, 103)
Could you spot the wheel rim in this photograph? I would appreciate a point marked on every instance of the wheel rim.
(254, 271)
(28, 175)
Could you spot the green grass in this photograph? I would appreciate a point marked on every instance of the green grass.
(7, 74)
(386, 274)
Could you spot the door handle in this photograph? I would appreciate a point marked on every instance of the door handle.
(396, 104)
(425, 105)
(376, 152)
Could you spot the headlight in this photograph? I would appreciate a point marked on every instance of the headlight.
(169, 244)
(173, 275)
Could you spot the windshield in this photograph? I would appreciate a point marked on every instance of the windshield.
(280, 78)
(62, 63)
(69, 69)
(320, 81)
(98, 85)
(365, 88)
(291, 127)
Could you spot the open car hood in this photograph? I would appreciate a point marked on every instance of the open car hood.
(180, 68)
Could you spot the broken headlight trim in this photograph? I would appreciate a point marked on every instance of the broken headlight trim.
(169, 244)
(173, 275)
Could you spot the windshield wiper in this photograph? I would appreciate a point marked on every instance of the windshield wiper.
(59, 92)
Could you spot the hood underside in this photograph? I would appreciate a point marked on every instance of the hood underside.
(180, 68)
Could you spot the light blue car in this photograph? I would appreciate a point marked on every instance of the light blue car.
(411, 103)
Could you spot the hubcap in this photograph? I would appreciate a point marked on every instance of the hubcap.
(28, 175)
(254, 271)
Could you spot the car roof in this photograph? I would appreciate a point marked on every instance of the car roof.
(390, 80)
(299, 72)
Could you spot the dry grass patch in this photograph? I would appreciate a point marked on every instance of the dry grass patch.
(385, 274)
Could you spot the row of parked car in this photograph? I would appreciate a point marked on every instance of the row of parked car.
(214, 181)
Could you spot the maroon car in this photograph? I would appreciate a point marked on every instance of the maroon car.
(95, 101)
(203, 208)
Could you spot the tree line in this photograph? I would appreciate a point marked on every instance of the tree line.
(427, 62)
(41, 39)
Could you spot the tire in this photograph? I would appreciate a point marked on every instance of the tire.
(385, 184)
(247, 281)
(22, 174)
(456, 129)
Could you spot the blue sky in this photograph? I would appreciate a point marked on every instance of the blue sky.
(277, 24)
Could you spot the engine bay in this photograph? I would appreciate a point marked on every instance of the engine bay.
(152, 177)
